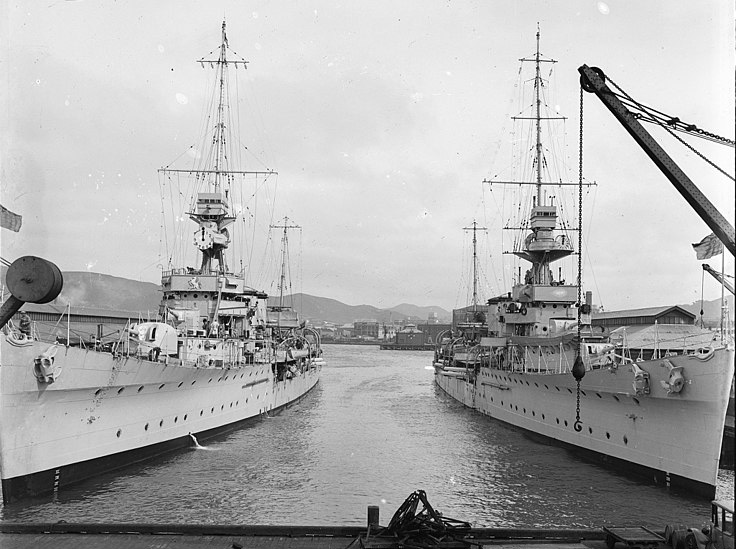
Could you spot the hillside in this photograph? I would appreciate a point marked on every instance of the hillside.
(100, 291)
(711, 310)
(85, 289)
(315, 308)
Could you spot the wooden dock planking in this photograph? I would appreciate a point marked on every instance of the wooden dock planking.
(168, 536)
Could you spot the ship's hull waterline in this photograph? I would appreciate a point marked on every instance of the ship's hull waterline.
(103, 412)
(672, 438)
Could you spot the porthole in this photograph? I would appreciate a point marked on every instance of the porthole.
(590, 430)
(231, 405)
(626, 440)
(557, 420)
(185, 416)
(209, 380)
(524, 410)
(565, 423)
(201, 412)
(546, 387)
(534, 414)
(222, 407)
(180, 384)
(536, 384)
(569, 390)
(617, 399)
(583, 392)
(176, 418)
(608, 435)
(97, 392)
(212, 410)
(140, 388)
(161, 423)
(543, 417)
(556, 387)
(194, 381)
(598, 395)
(145, 427)
(120, 432)
(121, 390)
(161, 386)
(635, 400)
(225, 378)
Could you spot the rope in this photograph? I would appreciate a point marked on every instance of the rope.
(425, 529)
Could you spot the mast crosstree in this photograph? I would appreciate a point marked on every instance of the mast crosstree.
(475, 229)
(211, 210)
(541, 246)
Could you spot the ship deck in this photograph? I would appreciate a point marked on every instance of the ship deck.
(180, 536)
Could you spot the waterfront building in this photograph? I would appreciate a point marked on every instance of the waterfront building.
(647, 316)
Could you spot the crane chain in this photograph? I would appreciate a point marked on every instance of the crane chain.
(668, 122)
(578, 424)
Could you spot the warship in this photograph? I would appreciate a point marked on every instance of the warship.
(215, 357)
(531, 358)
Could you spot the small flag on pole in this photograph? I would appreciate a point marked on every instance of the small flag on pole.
(10, 220)
(708, 247)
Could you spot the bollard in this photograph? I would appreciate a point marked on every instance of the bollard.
(373, 513)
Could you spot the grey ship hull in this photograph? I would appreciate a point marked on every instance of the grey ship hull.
(673, 439)
(104, 412)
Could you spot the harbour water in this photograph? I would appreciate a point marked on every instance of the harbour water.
(374, 430)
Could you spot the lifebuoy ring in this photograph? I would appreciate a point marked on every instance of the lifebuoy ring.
(523, 311)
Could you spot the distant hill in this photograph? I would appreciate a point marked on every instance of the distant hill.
(85, 289)
(315, 308)
(101, 291)
(711, 310)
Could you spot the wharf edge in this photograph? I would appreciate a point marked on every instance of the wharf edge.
(134, 536)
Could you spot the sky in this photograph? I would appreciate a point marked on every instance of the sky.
(382, 120)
